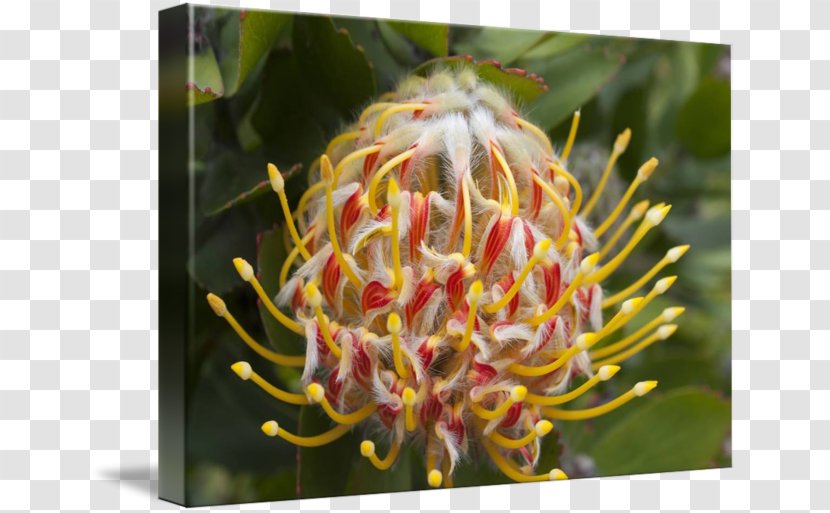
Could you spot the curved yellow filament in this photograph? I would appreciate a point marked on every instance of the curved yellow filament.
(515, 474)
(640, 389)
(303, 203)
(393, 325)
(367, 450)
(278, 185)
(620, 144)
(289, 260)
(517, 395)
(221, 310)
(380, 173)
(585, 267)
(566, 217)
(542, 428)
(671, 256)
(315, 300)
(473, 296)
(538, 132)
(271, 307)
(642, 175)
(539, 253)
(467, 243)
(511, 181)
(648, 223)
(401, 107)
(661, 333)
(393, 197)
(583, 342)
(571, 136)
(325, 166)
(351, 157)
(635, 215)
(244, 371)
(668, 315)
(318, 395)
(577, 202)
(371, 109)
(604, 373)
(344, 137)
(271, 428)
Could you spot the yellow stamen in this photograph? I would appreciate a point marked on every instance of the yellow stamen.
(244, 371)
(393, 325)
(577, 202)
(642, 175)
(509, 469)
(661, 333)
(511, 182)
(571, 136)
(378, 176)
(473, 296)
(627, 311)
(639, 390)
(672, 256)
(303, 203)
(315, 300)
(278, 184)
(467, 243)
(221, 310)
(542, 428)
(371, 109)
(351, 157)
(668, 315)
(620, 144)
(367, 450)
(563, 211)
(318, 395)
(271, 428)
(402, 107)
(289, 260)
(539, 253)
(604, 373)
(247, 273)
(517, 395)
(538, 132)
(393, 197)
(344, 137)
(408, 398)
(585, 267)
(583, 342)
(653, 217)
(325, 169)
(434, 476)
(637, 212)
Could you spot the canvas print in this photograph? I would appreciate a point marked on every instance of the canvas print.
(401, 256)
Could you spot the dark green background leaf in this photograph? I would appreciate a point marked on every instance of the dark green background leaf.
(432, 37)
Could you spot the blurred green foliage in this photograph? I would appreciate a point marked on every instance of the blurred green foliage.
(273, 87)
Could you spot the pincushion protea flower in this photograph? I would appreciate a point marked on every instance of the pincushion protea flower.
(449, 282)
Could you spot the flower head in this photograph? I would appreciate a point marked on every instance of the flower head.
(447, 277)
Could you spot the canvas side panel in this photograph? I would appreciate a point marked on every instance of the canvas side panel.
(175, 289)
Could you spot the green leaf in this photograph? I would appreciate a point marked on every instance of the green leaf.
(229, 186)
(323, 471)
(232, 235)
(574, 77)
(554, 45)
(367, 35)
(522, 86)
(432, 37)
(270, 257)
(503, 44)
(331, 65)
(206, 83)
(682, 430)
(703, 124)
(245, 37)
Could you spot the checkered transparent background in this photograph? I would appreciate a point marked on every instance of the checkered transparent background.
(79, 254)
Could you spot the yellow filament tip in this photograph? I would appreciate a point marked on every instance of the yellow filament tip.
(434, 478)
(217, 305)
(313, 296)
(316, 392)
(644, 387)
(242, 369)
(246, 272)
(557, 475)
(543, 427)
(367, 448)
